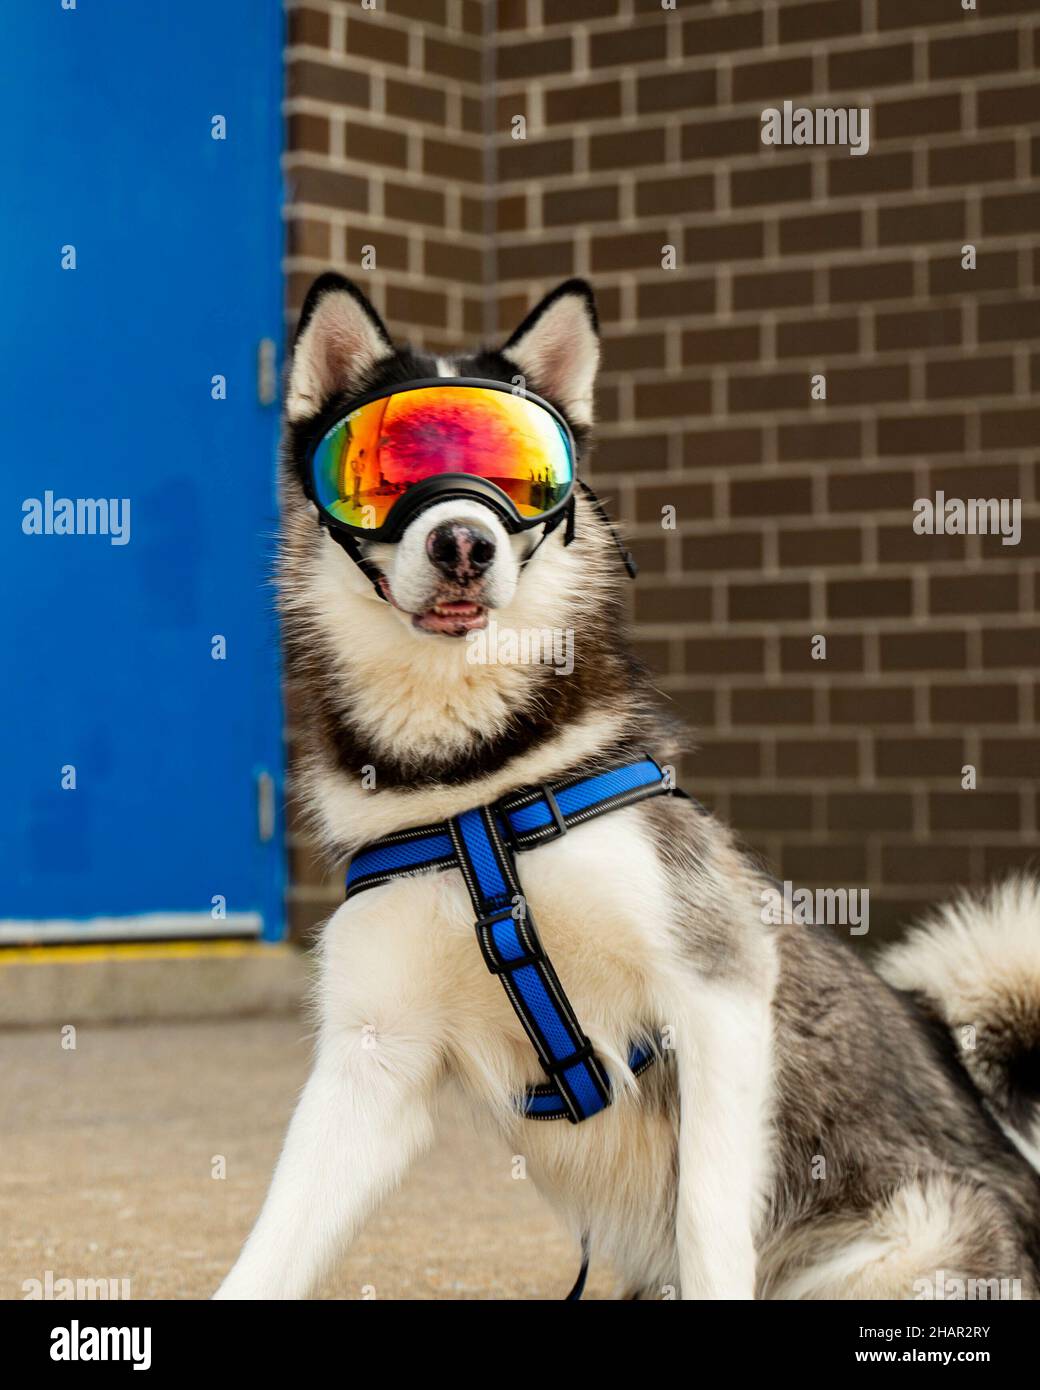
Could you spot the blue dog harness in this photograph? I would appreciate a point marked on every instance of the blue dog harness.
(482, 843)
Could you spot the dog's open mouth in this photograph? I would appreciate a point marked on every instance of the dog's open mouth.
(452, 619)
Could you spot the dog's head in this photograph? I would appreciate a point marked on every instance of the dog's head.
(375, 652)
(455, 561)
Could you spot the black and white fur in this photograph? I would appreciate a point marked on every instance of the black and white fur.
(785, 1049)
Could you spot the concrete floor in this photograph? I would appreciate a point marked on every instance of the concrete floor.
(106, 1173)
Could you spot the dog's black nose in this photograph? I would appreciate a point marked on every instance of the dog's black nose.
(460, 550)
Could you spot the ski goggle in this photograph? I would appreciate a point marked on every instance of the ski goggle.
(407, 447)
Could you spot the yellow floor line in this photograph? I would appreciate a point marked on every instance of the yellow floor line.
(138, 950)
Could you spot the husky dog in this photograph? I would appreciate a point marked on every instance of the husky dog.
(814, 1129)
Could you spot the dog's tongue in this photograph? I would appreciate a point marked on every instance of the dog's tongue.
(454, 618)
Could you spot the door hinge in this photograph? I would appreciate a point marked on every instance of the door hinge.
(265, 806)
(266, 371)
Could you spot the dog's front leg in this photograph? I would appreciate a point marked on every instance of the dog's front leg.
(723, 1055)
(364, 1115)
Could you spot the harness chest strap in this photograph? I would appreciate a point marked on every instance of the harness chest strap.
(482, 843)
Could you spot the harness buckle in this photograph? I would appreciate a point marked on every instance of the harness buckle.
(554, 807)
(583, 1054)
(494, 962)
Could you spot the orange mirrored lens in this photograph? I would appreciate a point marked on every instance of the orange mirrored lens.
(373, 456)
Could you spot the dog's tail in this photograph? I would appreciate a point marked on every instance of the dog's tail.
(975, 965)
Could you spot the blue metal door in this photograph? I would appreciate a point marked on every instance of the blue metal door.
(140, 246)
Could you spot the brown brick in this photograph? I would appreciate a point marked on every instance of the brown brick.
(779, 181)
(721, 34)
(974, 376)
(979, 161)
(416, 101)
(576, 10)
(823, 864)
(864, 491)
(625, 453)
(376, 145)
(391, 250)
(628, 250)
(922, 650)
(781, 704)
(918, 328)
(767, 391)
(918, 756)
(883, 280)
(973, 810)
(325, 83)
(1010, 429)
(330, 188)
(923, 115)
(449, 159)
(408, 203)
(1009, 319)
(686, 397)
(973, 704)
(973, 593)
(868, 385)
(713, 448)
(510, 214)
(820, 546)
(774, 78)
(727, 757)
(308, 26)
(973, 53)
(533, 260)
(899, 544)
(821, 231)
(442, 261)
(676, 91)
(921, 434)
(692, 501)
(869, 598)
(865, 810)
(640, 43)
(865, 69)
(1010, 757)
(825, 758)
(583, 101)
(915, 222)
(997, 270)
(376, 41)
(689, 193)
(844, 653)
(852, 176)
(874, 704)
(1008, 214)
(407, 305)
(736, 343)
(308, 132)
(770, 496)
(703, 138)
(771, 601)
(667, 296)
(723, 551)
(1015, 647)
(309, 238)
(823, 337)
(669, 602)
(630, 351)
(580, 205)
(530, 159)
(625, 149)
(778, 289)
(535, 58)
(721, 655)
(456, 60)
(1009, 106)
(936, 864)
(772, 811)
(729, 241)
(696, 708)
(895, 14)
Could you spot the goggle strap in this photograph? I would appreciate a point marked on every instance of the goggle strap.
(627, 558)
(352, 546)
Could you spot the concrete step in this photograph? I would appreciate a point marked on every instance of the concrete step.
(132, 982)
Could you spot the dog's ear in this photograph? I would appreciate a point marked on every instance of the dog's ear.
(557, 348)
(339, 338)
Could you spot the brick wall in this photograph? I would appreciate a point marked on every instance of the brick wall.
(793, 515)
